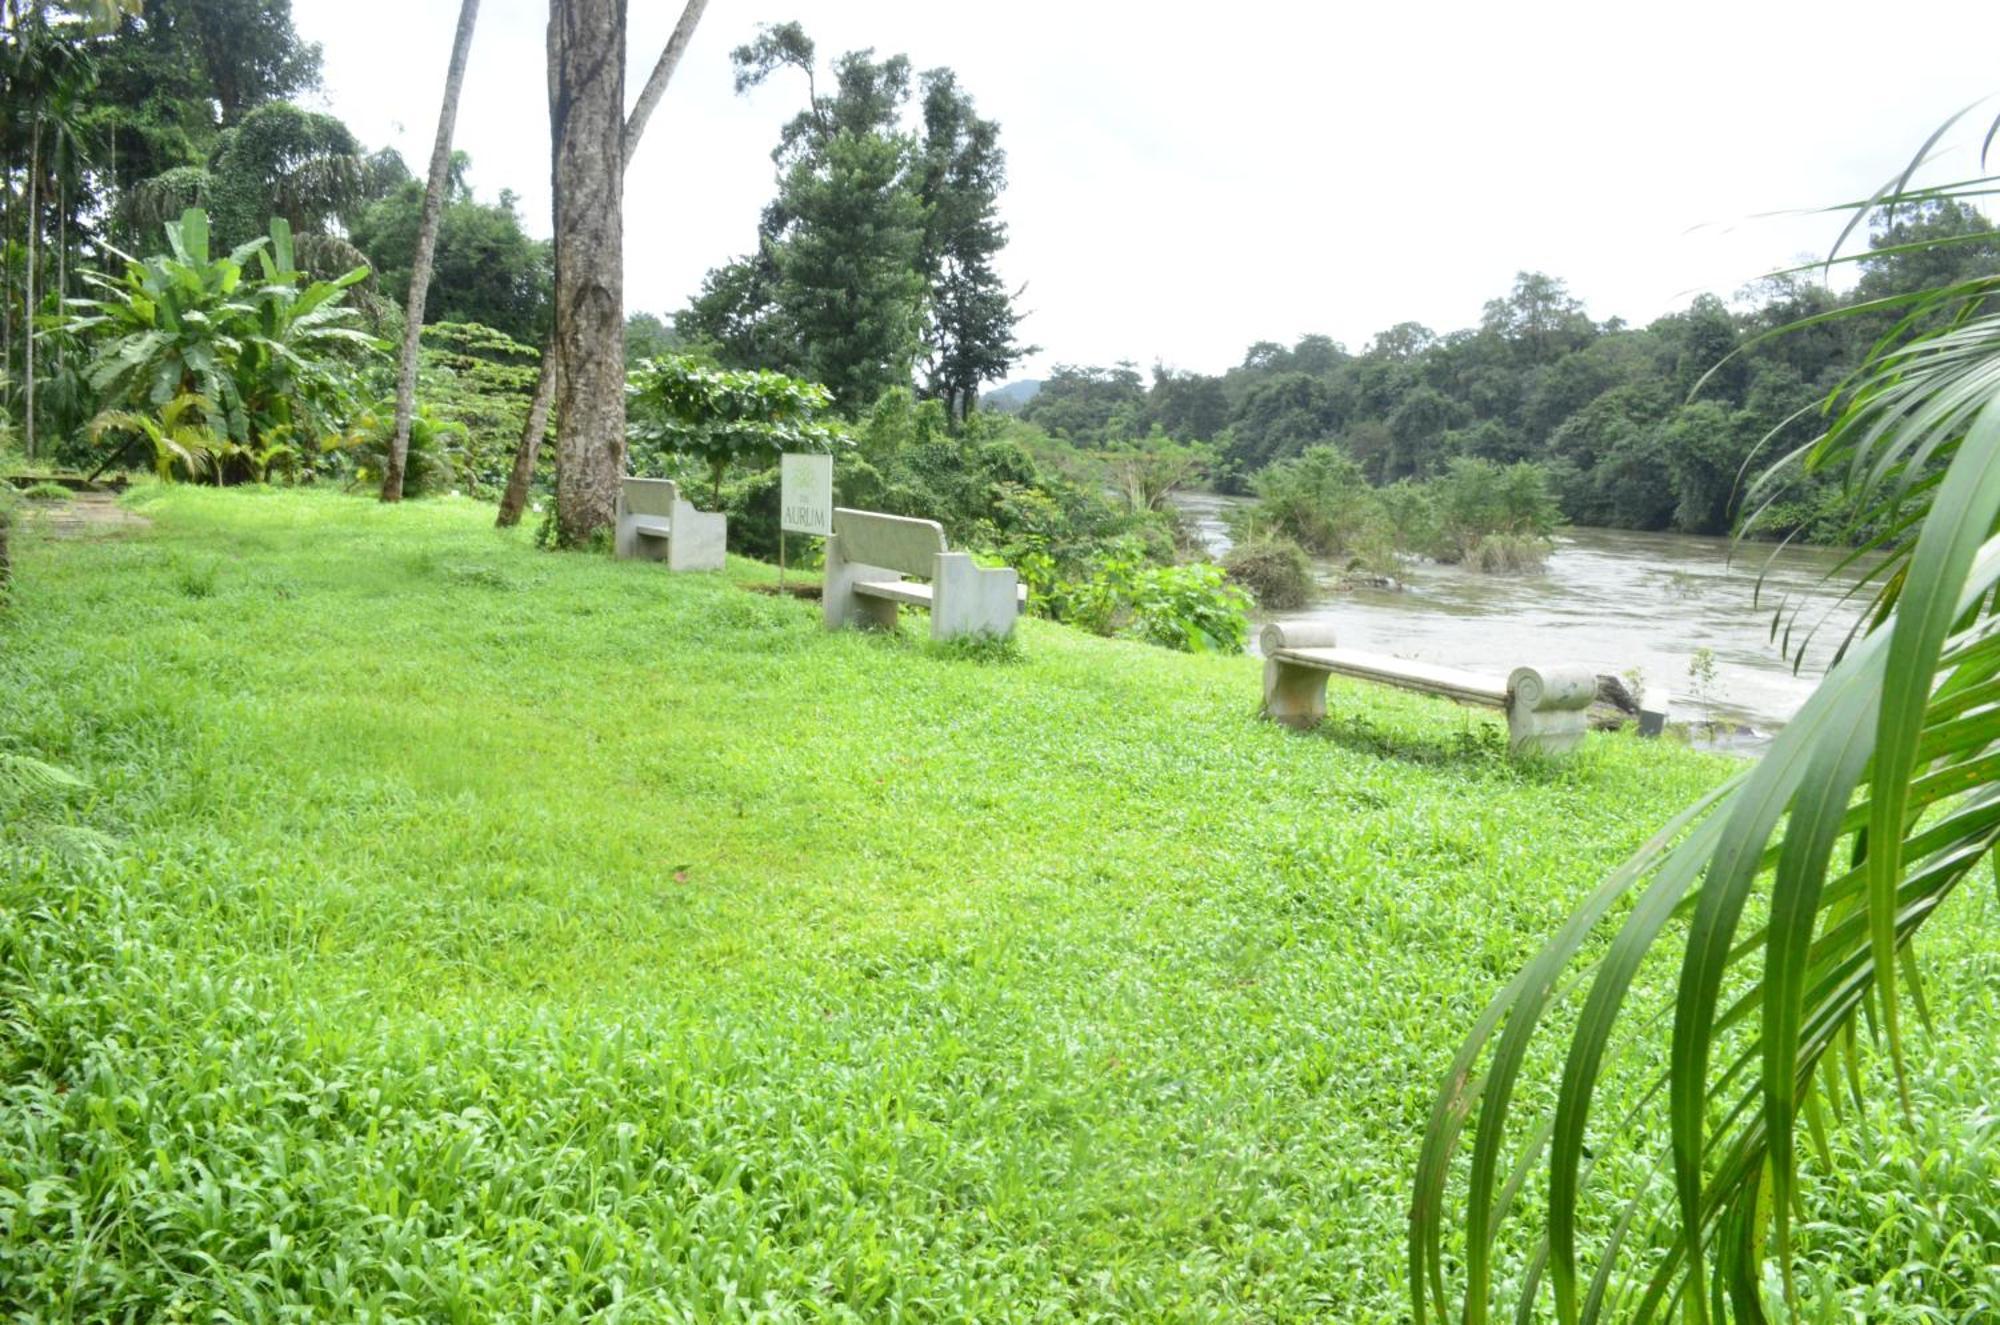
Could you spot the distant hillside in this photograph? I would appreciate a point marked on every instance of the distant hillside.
(1014, 396)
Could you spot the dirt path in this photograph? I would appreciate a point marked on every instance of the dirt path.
(87, 515)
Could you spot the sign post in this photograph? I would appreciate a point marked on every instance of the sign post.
(805, 500)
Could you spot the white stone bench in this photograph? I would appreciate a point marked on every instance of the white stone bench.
(1547, 708)
(868, 557)
(655, 524)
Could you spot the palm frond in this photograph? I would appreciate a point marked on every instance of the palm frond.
(1868, 812)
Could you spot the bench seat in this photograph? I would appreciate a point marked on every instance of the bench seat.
(871, 554)
(916, 593)
(1405, 673)
(657, 524)
(1547, 708)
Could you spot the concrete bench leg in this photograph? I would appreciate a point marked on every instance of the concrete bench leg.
(968, 599)
(1294, 695)
(700, 539)
(1548, 708)
(840, 607)
(624, 534)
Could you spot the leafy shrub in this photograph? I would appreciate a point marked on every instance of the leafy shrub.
(1192, 607)
(1478, 513)
(46, 491)
(719, 417)
(1478, 500)
(436, 460)
(1320, 500)
(483, 380)
(255, 372)
(1275, 570)
(1501, 554)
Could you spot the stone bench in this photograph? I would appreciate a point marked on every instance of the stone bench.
(1547, 708)
(868, 556)
(655, 524)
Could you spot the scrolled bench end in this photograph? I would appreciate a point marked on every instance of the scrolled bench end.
(1552, 689)
(1281, 635)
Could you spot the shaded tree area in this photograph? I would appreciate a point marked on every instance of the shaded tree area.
(487, 268)
(1653, 427)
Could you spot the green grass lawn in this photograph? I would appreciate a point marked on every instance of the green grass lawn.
(472, 933)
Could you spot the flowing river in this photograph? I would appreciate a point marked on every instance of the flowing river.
(1614, 600)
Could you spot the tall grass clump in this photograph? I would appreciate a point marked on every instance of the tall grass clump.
(1479, 514)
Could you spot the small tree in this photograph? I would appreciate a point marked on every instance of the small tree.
(716, 416)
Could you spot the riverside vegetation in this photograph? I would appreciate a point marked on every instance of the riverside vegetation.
(360, 957)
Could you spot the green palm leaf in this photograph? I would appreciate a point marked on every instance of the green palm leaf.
(1866, 814)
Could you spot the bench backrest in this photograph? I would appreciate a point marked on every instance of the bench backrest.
(893, 542)
(651, 496)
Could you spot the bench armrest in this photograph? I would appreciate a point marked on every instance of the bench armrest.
(1280, 635)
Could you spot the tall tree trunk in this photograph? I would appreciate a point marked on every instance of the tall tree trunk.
(420, 264)
(28, 305)
(528, 449)
(587, 133)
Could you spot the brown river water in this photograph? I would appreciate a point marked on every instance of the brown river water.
(1611, 599)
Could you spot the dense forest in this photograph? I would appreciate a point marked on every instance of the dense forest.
(1636, 427)
(121, 116)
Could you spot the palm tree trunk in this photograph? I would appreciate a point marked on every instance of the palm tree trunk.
(7, 210)
(28, 321)
(420, 264)
(587, 129)
(528, 449)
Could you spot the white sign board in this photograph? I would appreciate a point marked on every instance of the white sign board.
(805, 494)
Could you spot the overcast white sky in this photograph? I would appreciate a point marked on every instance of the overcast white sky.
(1180, 190)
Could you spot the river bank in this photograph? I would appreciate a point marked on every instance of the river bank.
(1616, 600)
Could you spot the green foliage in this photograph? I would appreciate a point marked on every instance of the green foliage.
(847, 273)
(1276, 571)
(485, 268)
(437, 460)
(719, 417)
(280, 160)
(1148, 472)
(261, 372)
(1321, 501)
(1089, 406)
(179, 71)
(483, 381)
(646, 337)
(1190, 607)
(968, 334)
(1488, 516)
(46, 492)
(1478, 503)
